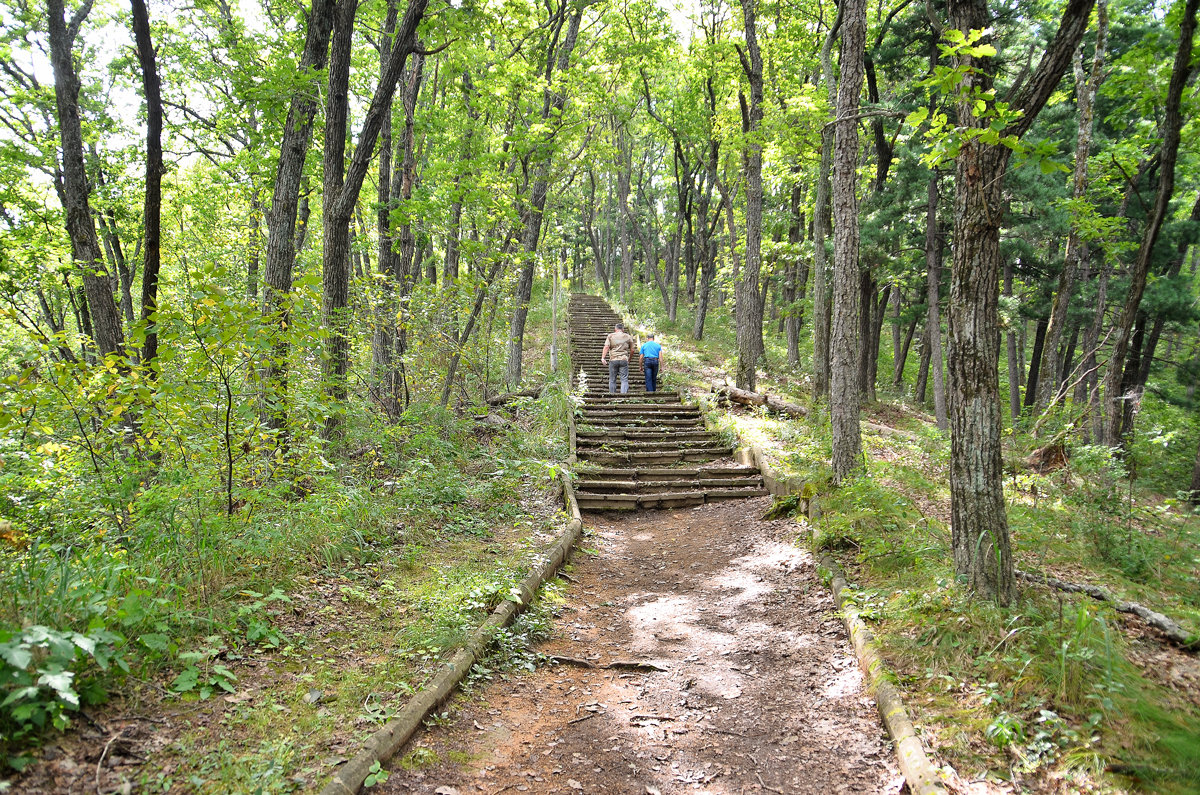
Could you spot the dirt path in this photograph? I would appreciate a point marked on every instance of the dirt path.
(760, 691)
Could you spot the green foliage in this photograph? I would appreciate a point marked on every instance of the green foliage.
(45, 674)
(375, 775)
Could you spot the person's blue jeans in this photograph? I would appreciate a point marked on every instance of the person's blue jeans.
(651, 366)
(618, 367)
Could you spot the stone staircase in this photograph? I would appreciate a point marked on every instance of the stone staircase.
(642, 449)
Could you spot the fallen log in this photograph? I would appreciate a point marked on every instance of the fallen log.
(1173, 632)
(509, 397)
(745, 398)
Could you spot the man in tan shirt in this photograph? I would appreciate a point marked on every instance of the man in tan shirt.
(617, 348)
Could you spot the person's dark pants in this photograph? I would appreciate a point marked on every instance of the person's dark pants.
(651, 366)
(618, 367)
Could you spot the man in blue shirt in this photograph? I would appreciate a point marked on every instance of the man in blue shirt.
(651, 356)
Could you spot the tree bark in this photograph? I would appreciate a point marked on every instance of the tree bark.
(624, 166)
(797, 280)
(281, 222)
(748, 309)
(343, 184)
(152, 208)
(980, 538)
(933, 288)
(106, 329)
(382, 388)
(844, 341)
(1035, 363)
(705, 247)
(922, 389)
(1014, 362)
(821, 226)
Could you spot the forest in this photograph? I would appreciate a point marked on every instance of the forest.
(283, 294)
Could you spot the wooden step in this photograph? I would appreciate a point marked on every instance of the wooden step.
(648, 457)
(658, 486)
(669, 499)
(664, 473)
(629, 423)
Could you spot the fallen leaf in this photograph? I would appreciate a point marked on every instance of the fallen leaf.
(445, 791)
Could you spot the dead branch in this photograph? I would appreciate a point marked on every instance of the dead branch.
(745, 398)
(1174, 633)
(509, 397)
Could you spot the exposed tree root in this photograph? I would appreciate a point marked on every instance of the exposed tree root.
(624, 665)
(1173, 632)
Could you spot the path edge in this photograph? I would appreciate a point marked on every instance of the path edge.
(910, 753)
(384, 744)
(914, 763)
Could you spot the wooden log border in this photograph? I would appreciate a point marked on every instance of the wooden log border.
(910, 754)
(384, 744)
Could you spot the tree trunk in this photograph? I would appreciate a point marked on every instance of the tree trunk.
(1014, 362)
(980, 539)
(1171, 126)
(748, 310)
(895, 302)
(797, 279)
(624, 166)
(923, 369)
(1085, 93)
(281, 222)
(821, 226)
(1176, 266)
(705, 246)
(335, 275)
(383, 387)
(902, 359)
(341, 192)
(866, 331)
(933, 321)
(152, 243)
(844, 341)
(1035, 363)
(877, 339)
(105, 318)
(531, 215)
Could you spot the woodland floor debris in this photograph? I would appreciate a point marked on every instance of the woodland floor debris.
(761, 691)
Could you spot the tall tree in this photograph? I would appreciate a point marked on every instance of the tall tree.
(980, 539)
(748, 307)
(342, 184)
(844, 339)
(101, 308)
(533, 205)
(1170, 128)
(281, 221)
(821, 302)
(1086, 84)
